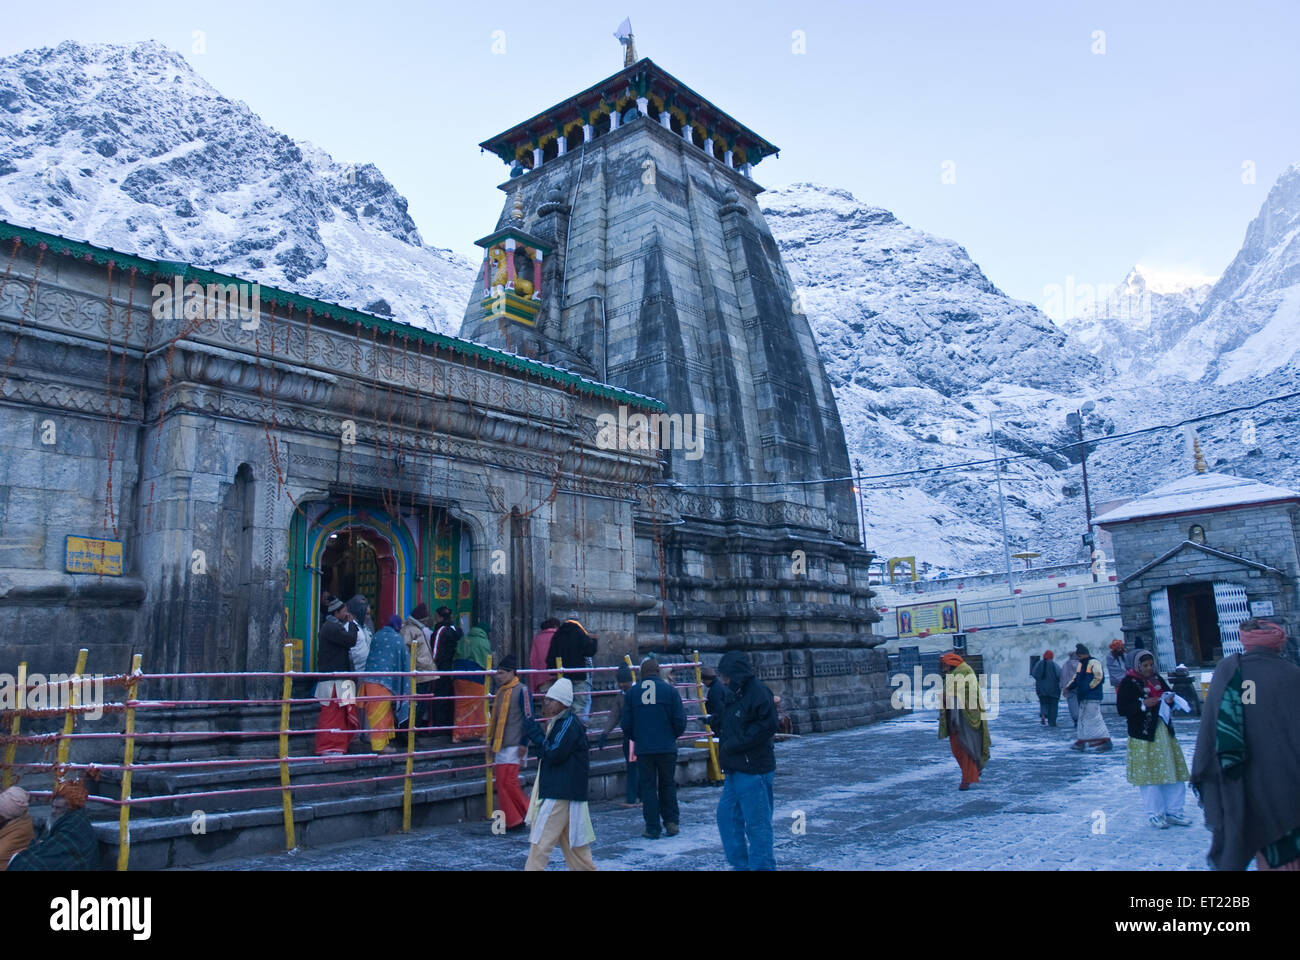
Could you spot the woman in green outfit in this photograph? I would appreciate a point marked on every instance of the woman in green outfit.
(1155, 761)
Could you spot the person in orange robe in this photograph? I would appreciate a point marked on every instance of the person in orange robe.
(961, 719)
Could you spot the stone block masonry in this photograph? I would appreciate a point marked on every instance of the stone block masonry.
(666, 280)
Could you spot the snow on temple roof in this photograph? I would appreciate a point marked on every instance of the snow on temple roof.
(1200, 491)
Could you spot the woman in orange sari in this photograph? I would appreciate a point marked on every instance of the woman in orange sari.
(386, 664)
(471, 706)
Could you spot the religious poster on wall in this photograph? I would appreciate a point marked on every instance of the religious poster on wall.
(923, 619)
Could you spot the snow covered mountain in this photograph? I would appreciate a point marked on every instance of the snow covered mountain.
(126, 146)
(1244, 325)
(1250, 323)
(921, 348)
(1132, 326)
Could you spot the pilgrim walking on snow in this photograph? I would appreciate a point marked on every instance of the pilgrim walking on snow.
(559, 812)
(962, 721)
(1047, 682)
(1088, 685)
(1246, 769)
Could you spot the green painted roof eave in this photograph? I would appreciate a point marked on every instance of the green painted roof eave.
(31, 237)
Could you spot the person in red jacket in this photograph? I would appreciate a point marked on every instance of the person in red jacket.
(537, 653)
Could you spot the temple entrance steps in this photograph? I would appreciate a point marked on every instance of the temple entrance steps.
(236, 825)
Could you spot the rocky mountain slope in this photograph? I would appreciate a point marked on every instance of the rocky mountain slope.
(128, 147)
(922, 348)
(1249, 325)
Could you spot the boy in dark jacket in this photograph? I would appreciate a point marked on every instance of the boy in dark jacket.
(653, 719)
(748, 725)
(559, 812)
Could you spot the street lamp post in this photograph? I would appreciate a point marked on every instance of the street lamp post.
(1002, 507)
(862, 511)
(1076, 420)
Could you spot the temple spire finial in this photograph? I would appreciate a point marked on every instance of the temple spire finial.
(1198, 459)
(624, 35)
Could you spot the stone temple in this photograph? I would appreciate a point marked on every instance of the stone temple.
(188, 469)
(631, 249)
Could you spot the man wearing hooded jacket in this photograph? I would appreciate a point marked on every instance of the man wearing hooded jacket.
(745, 730)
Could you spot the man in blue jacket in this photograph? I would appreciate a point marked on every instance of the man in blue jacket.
(559, 812)
(653, 719)
(745, 753)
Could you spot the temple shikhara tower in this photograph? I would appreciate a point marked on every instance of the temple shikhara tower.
(631, 250)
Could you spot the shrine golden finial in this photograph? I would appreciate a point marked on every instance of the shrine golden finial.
(1198, 459)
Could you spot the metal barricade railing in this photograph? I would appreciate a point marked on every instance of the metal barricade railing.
(130, 737)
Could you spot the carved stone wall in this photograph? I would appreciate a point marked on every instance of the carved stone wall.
(181, 407)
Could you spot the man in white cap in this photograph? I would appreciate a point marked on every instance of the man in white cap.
(558, 812)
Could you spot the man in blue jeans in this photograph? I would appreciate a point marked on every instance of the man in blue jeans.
(653, 719)
(745, 731)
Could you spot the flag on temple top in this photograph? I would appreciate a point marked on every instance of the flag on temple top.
(624, 29)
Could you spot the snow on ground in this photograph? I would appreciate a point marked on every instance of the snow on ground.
(873, 798)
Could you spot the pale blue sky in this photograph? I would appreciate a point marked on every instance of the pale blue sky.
(1067, 162)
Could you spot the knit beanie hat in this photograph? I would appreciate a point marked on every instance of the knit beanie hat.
(13, 803)
(561, 690)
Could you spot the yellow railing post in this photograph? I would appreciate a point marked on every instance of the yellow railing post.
(487, 740)
(20, 702)
(715, 772)
(627, 658)
(286, 795)
(69, 716)
(128, 757)
(559, 667)
(410, 746)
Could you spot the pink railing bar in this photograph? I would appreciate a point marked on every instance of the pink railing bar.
(275, 789)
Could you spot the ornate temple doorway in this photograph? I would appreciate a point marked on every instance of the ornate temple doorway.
(359, 561)
(396, 562)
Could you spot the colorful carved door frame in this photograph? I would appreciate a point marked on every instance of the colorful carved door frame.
(442, 557)
(449, 580)
(395, 556)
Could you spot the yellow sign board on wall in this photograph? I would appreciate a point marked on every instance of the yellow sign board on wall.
(925, 619)
(92, 555)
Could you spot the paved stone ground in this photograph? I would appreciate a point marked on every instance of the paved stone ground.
(879, 797)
